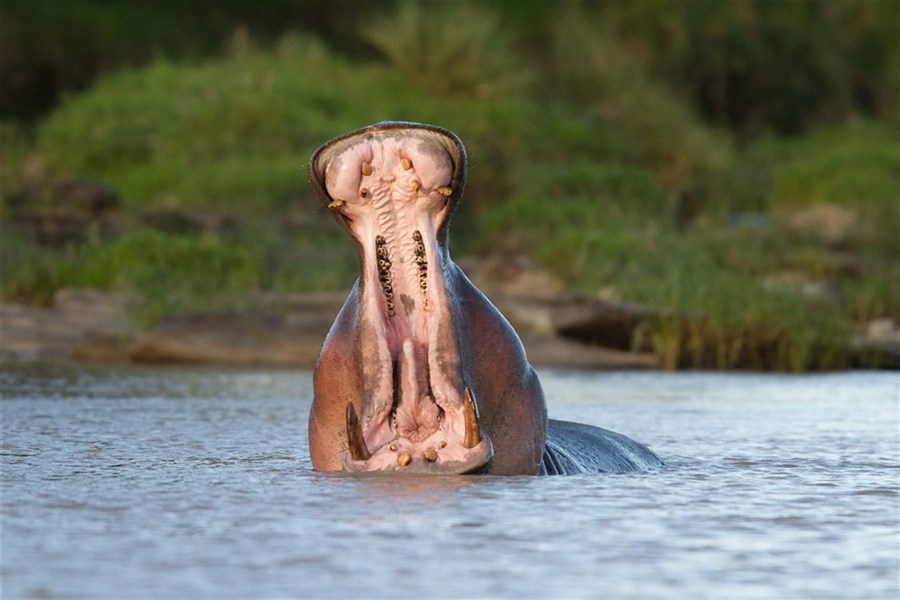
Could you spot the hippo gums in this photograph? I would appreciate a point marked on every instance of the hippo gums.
(419, 372)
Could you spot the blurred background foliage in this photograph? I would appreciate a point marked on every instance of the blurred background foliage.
(736, 161)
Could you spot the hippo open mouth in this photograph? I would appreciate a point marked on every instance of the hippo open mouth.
(394, 186)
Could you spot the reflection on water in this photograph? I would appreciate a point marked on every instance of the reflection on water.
(143, 483)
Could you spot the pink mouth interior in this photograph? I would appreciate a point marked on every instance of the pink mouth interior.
(392, 188)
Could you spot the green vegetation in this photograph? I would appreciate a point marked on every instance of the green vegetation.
(165, 273)
(618, 145)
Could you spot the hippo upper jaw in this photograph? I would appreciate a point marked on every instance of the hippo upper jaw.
(394, 187)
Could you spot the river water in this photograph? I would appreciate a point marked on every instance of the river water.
(139, 483)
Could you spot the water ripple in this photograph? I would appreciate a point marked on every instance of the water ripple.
(197, 484)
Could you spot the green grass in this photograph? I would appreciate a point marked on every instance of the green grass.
(598, 168)
(855, 165)
(164, 273)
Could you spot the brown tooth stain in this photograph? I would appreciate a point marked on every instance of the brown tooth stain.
(422, 262)
(406, 164)
(393, 447)
(442, 444)
(384, 272)
(366, 169)
(430, 454)
(443, 190)
(404, 459)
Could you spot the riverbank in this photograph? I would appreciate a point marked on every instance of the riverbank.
(284, 331)
(559, 330)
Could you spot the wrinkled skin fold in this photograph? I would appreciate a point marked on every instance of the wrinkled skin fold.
(419, 372)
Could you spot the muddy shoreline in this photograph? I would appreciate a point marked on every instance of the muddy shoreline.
(284, 331)
(559, 330)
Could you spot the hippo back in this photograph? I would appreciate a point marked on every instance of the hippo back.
(574, 448)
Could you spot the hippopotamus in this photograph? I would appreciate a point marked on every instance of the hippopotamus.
(420, 373)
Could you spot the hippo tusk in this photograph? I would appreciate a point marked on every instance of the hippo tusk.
(473, 430)
(355, 440)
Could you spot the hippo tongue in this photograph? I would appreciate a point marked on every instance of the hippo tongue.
(390, 186)
(416, 416)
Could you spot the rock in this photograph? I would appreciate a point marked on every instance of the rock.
(799, 284)
(57, 213)
(86, 198)
(510, 275)
(882, 329)
(578, 331)
(829, 222)
(290, 329)
(602, 322)
(177, 220)
(290, 334)
(560, 328)
(556, 352)
(81, 325)
(879, 344)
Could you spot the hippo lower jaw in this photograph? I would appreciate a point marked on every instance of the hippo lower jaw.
(433, 455)
(392, 187)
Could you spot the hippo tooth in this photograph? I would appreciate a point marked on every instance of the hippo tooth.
(470, 411)
(366, 169)
(415, 185)
(404, 459)
(444, 190)
(356, 443)
(336, 203)
(406, 164)
(430, 454)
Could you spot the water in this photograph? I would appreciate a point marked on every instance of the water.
(197, 484)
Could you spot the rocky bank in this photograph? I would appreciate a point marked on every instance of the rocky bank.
(559, 329)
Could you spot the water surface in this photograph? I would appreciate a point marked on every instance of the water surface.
(134, 483)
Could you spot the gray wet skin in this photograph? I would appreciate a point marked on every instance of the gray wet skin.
(420, 373)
